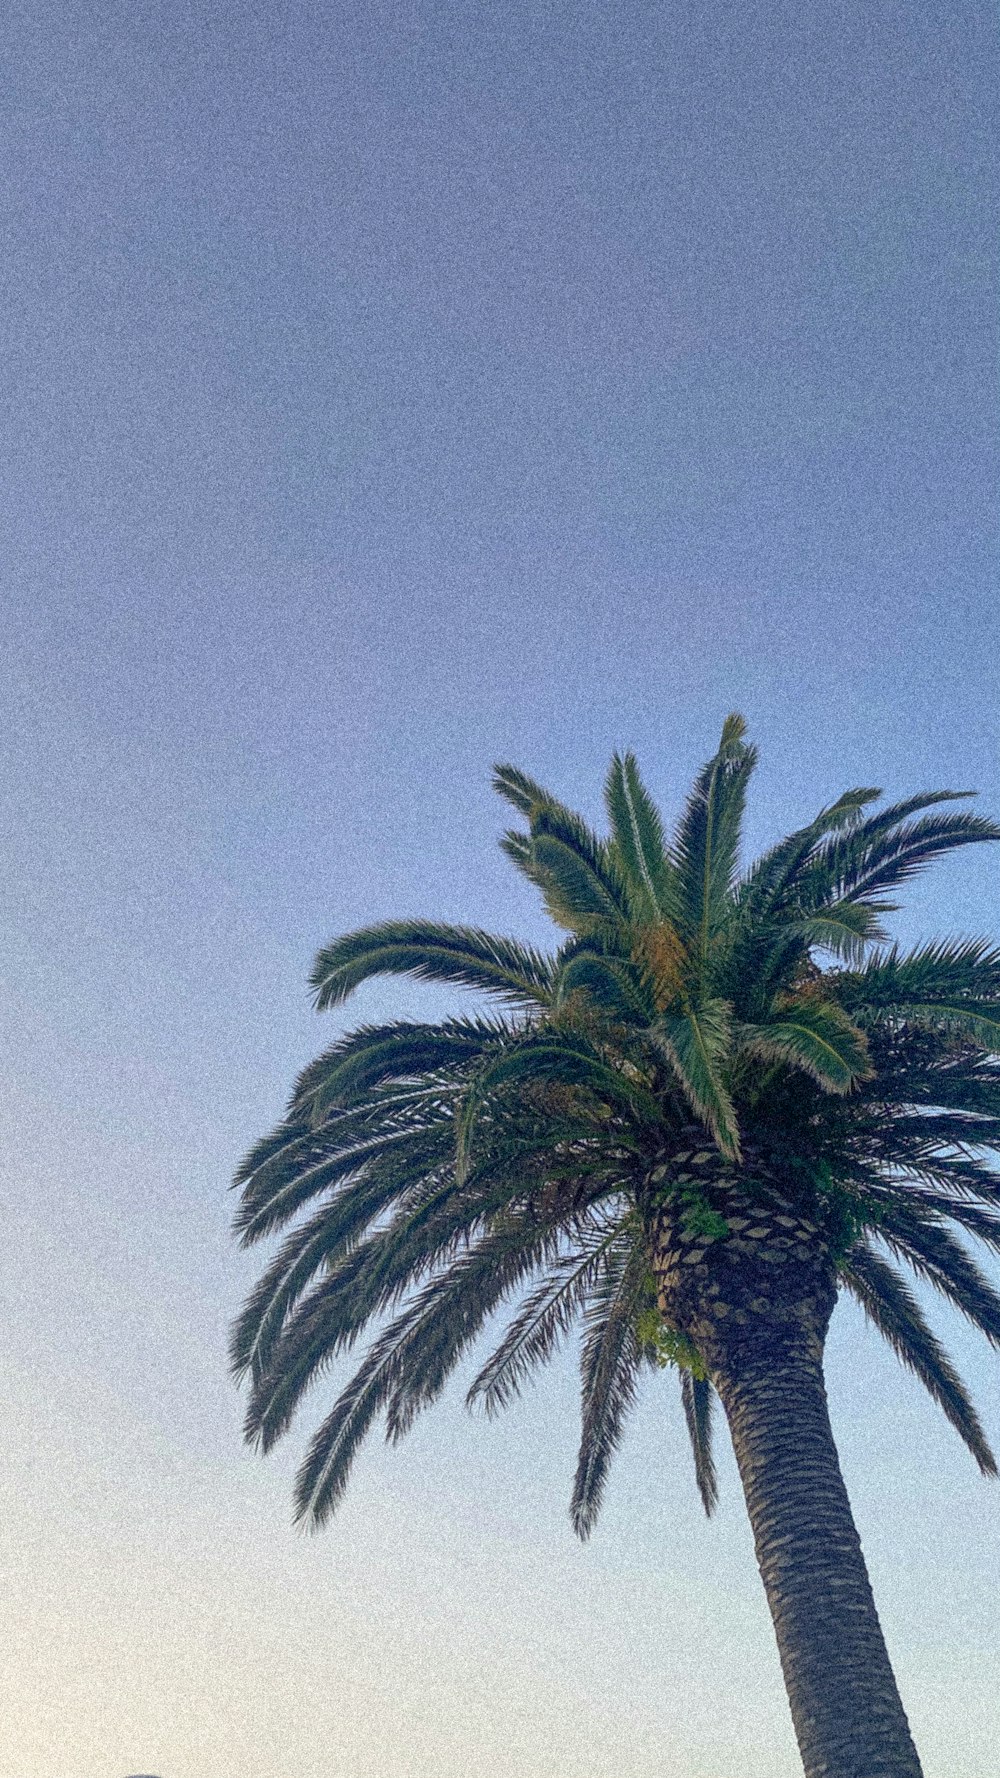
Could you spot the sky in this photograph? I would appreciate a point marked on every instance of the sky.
(389, 390)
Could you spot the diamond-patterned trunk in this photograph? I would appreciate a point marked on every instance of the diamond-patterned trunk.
(755, 1297)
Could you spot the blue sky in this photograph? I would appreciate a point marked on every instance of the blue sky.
(389, 390)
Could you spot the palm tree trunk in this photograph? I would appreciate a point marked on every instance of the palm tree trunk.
(756, 1302)
(846, 1708)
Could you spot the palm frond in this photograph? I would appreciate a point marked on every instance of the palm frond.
(949, 985)
(374, 1055)
(915, 1235)
(431, 953)
(261, 1321)
(269, 1204)
(568, 1061)
(610, 1361)
(524, 793)
(639, 840)
(894, 1311)
(696, 1044)
(577, 872)
(517, 846)
(802, 862)
(576, 897)
(408, 1364)
(846, 928)
(875, 856)
(768, 885)
(323, 1476)
(330, 1234)
(432, 1224)
(544, 1317)
(609, 982)
(974, 1219)
(698, 1399)
(921, 1067)
(917, 1135)
(285, 1143)
(455, 1307)
(967, 968)
(895, 814)
(816, 1036)
(513, 1194)
(706, 847)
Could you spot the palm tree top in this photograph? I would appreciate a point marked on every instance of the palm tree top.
(707, 1043)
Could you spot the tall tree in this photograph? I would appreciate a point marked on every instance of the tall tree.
(723, 1099)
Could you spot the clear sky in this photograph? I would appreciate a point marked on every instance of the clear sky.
(387, 389)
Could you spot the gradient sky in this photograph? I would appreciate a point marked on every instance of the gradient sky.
(389, 389)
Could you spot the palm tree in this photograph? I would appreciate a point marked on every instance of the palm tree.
(723, 1099)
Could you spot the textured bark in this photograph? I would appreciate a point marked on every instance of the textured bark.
(756, 1302)
(769, 1278)
(845, 1705)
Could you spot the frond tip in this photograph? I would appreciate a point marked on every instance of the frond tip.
(894, 1310)
(432, 953)
(639, 841)
(610, 1360)
(698, 1398)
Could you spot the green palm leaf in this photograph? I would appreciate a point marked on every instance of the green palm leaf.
(846, 928)
(324, 1475)
(894, 1311)
(610, 1362)
(884, 852)
(768, 888)
(946, 986)
(706, 848)
(564, 1060)
(605, 982)
(576, 896)
(525, 795)
(639, 841)
(698, 1399)
(816, 1036)
(577, 873)
(934, 1254)
(374, 1055)
(696, 1043)
(984, 1224)
(894, 814)
(330, 1233)
(543, 1319)
(431, 953)
(343, 1149)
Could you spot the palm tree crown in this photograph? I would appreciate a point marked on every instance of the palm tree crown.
(744, 1057)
